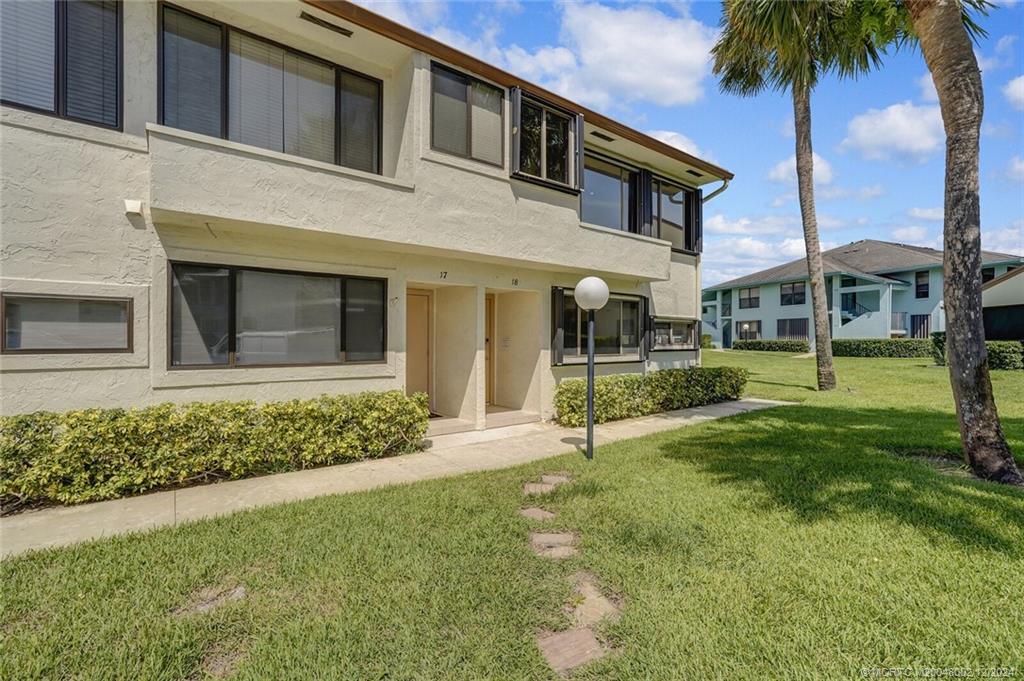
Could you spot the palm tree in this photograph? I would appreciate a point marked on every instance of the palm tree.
(789, 45)
(943, 29)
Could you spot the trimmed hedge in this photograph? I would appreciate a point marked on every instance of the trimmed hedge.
(96, 454)
(881, 347)
(624, 396)
(1008, 355)
(772, 345)
(705, 341)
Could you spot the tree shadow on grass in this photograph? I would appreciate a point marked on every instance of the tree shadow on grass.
(822, 463)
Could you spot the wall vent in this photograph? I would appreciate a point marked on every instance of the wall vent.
(325, 24)
(602, 136)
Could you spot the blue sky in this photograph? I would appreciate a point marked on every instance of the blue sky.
(879, 139)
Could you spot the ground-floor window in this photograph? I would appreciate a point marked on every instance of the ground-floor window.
(748, 330)
(66, 324)
(920, 325)
(675, 335)
(792, 329)
(237, 316)
(618, 327)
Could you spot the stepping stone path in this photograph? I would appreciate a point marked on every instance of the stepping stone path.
(534, 513)
(566, 650)
(555, 545)
(208, 598)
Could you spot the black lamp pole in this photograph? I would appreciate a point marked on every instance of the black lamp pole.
(590, 384)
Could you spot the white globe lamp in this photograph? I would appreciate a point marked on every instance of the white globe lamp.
(591, 294)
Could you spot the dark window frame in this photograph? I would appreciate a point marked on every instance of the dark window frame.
(788, 324)
(233, 311)
(920, 288)
(791, 297)
(225, 32)
(60, 72)
(130, 339)
(987, 274)
(694, 335)
(752, 301)
(847, 282)
(558, 357)
(757, 331)
(470, 79)
(691, 229)
(574, 143)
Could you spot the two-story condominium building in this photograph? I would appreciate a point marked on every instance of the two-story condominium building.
(876, 289)
(270, 200)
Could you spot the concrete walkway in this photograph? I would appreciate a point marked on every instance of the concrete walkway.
(447, 455)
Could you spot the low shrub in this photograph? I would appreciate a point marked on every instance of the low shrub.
(1007, 355)
(772, 345)
(624, 396)
(881, 347)
(939, 347)
(96, 454)
(705, 341)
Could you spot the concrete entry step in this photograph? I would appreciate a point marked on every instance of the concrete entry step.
(566, 650)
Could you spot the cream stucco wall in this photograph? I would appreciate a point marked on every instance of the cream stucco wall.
(431, 219)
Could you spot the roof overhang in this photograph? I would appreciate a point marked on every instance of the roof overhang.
(362, 17)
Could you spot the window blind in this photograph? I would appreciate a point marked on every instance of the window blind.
(91, 87)
(308, 108)
(485, 123)
(360, 116)
(27, 64)
(256, 94)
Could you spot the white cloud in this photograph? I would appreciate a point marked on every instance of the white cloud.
(926, 213)
(905, 131)
(1014, 93)
(865, 193)
(784, 171)
(735, 256)
(912, 234)
(599, 47)
(1015, 169)
(927, 86)
(1002, 56)
(679, 141)
(770, 224)
(1009, 239)
(418, 14)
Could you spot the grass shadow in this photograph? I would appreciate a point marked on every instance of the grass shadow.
(821, 463)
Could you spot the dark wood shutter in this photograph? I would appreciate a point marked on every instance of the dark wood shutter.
(579, 151)
(516, 97)
(647, 328)
(697, 222)
(557, 325)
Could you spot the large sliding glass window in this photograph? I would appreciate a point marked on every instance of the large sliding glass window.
(668, 213)
(275, 98)
(44, 324)
(232, 316)
(608, 195)
(62, 58)
(466, 116)
(546, 143)
(618, 328)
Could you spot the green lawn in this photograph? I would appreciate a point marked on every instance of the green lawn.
(797, 542)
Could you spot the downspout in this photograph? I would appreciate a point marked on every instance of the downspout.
(725, 185)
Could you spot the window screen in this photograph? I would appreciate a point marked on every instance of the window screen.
(200, 299)
(364, 320)
(91, 88)
(466, 116)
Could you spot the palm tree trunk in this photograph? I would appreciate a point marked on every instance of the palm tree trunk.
(947, 50)
(805, 187)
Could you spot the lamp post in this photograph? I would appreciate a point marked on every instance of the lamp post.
(591, 294)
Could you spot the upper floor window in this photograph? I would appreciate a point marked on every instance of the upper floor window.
(987, 274)
(219, 81)
(545, 142)
(921, 284)
(609, 194)
(847, 282)
(62, 58)
(793, 294)
(750, 297)
(668, 214)
(467, 116)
